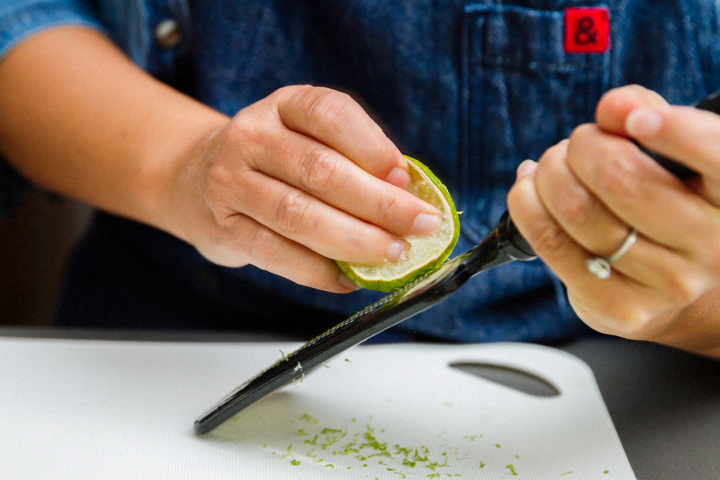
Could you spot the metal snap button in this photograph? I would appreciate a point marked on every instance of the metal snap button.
(168, 33)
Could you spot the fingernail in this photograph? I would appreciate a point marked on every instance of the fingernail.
(526, 168)
(398, 177)
(398, 250)
(643, 123)
(345, 281)
(426, 224)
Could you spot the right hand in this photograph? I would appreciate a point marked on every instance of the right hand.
(295, 180)
(584, 195)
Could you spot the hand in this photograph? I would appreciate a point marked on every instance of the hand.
(586, 193)
(294, 180)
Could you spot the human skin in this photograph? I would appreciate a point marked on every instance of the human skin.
(582, 197)
(305, 175)
(289, 183)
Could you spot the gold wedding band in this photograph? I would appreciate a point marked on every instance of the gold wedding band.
(600, 267)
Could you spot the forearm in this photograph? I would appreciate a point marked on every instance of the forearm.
(78, 118)
(265, 187)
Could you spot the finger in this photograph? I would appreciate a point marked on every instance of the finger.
(639, 192)
(339, 122)
(595, 228)
(575, 208)
(621, 304)
(306, 220)
(616, 104)
(661, 283)
(246, 241)
(685, 134)
(331, 177)
(555, 247)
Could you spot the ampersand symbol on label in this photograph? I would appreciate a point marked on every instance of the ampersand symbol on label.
(586, 33)
(587, 30)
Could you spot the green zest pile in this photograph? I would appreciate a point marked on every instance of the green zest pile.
(361, 448)
(357, 447)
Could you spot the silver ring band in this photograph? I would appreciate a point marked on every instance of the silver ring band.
(600, 267)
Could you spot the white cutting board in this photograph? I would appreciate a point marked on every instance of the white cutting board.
(74, 409)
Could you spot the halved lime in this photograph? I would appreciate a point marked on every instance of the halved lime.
(426, 252)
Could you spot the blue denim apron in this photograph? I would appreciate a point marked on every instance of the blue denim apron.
(470, 88)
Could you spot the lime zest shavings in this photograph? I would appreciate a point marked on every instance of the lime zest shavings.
(359, 445)
(309, 419)
(363, 448)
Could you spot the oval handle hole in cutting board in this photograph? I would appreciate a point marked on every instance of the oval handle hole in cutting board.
(510, 377)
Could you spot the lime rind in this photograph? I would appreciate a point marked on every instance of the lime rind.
(426, 252)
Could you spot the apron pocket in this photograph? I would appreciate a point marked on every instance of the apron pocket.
(521, 93)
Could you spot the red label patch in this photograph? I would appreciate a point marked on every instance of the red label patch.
(587, 30)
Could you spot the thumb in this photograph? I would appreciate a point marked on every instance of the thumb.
(614, 107)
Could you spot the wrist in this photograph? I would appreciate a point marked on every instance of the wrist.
(171, 166)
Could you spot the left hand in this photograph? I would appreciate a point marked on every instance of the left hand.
(585, 195)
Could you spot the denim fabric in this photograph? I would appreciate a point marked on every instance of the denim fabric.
(470, 88)
(21, 18)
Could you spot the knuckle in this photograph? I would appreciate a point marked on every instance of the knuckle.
(386, 150)
(582, 132)
(547, 241)
(552, 154)
(220, 178)
(237, 131)
(245, 133)
(318, 169)
(292, 212)
(576, 208)
(221, 235)
(387, 208)
(327, 107)
(619, 174)
(619, 170)
(221, 243)
(263, 246)
(289, 92)
(222, 181)
(637, 324)
(633, 320)
(684, 287)
(644, 320)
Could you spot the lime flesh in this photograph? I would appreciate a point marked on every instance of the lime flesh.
(426, 252)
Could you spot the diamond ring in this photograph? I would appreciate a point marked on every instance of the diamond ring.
(600, 267)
